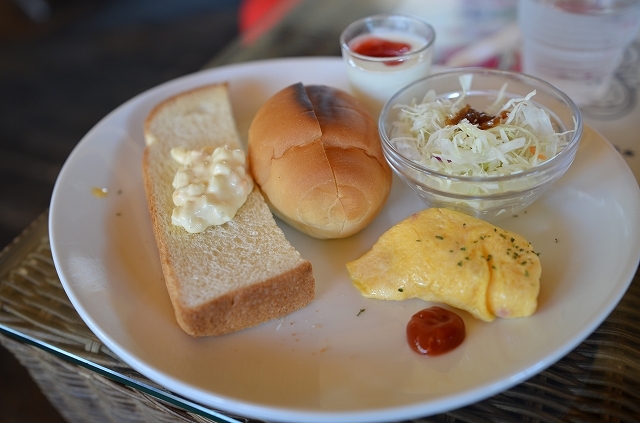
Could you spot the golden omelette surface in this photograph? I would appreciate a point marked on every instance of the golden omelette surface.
(443, 256)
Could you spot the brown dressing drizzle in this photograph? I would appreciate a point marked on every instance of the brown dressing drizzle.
(475, 117)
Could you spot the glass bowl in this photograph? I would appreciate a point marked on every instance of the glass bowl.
(487, 197)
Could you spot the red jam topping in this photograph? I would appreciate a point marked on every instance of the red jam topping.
(379, 47)
(435, 331)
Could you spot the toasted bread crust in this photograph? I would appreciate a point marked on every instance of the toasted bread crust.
(251, 306)
(238, 294)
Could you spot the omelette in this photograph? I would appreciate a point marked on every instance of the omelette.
(444, 256)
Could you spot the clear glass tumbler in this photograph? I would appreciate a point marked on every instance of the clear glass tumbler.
(577, 45)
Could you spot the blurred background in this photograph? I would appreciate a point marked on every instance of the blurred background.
(65, 64)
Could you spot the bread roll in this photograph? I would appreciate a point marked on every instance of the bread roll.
(315, 152)
(231, 276)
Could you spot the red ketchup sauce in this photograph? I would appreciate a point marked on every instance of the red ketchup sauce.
(379, 47)
(435, 331)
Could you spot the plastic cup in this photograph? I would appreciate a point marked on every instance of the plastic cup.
(383, 53)
(577, 45)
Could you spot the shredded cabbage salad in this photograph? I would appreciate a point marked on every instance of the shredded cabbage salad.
(523, 138)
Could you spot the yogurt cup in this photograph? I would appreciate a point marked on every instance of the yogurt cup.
(383, 53)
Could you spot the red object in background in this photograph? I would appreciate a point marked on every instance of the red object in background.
(253, 11)
(255, 17)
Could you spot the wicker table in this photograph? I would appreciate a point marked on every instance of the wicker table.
(599, 380)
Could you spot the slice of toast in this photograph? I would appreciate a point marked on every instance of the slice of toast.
(230, 276)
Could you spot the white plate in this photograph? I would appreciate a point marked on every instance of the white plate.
(326, 363)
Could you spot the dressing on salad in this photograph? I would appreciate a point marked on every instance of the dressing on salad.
(453, 138)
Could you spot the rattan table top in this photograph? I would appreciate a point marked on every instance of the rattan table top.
(598, 380)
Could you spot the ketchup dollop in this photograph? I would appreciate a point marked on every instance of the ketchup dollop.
(379, 47)
(435, 331)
